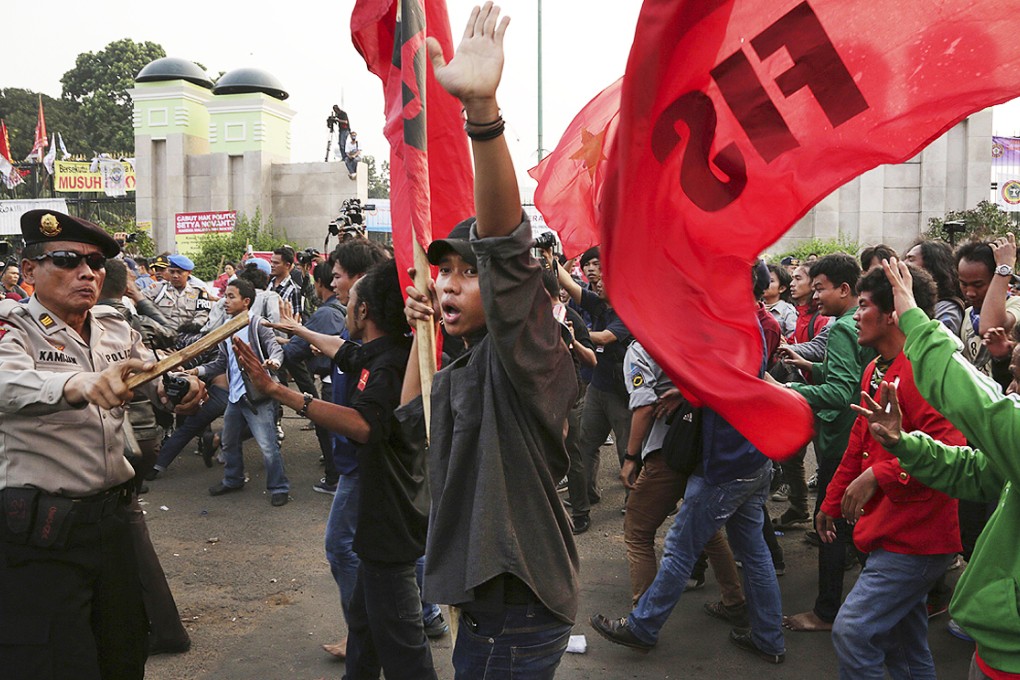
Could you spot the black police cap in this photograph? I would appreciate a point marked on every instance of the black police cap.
(45, 226)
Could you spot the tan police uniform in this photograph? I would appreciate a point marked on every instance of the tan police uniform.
(46, 443)
(189, 305)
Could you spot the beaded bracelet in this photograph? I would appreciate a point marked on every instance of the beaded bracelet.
(485, 135)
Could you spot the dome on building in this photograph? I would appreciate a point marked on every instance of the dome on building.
(243, 80)
(172, 68)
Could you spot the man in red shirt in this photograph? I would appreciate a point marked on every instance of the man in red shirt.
(909, 531)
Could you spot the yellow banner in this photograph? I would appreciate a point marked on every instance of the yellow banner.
(74, 176)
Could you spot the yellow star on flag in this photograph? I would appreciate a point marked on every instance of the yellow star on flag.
(591, 150)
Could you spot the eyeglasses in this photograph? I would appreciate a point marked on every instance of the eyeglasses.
(68, 259)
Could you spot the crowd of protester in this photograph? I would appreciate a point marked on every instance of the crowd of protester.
(908, 365)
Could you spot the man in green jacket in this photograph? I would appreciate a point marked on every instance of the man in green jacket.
(835, 383)
(985, 601)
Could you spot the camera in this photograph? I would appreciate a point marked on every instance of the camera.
(306, 256)
(546, 241)
(350, 223)
(176, 387)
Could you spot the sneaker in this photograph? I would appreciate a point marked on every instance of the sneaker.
(694, 584)
(956, 630)
(811, 537)
(279, 498)
(324, 487)
(790, 518)
(581, 524)
(735, 615)
(308, 427)
(609, 440)
(812, 482)
(437, 627)
(742, 638)
(782, 494)
(280, 435)
(152, 474)
(937, 607)
(221, 488)
(562, 486)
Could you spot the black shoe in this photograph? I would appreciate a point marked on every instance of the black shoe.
(581, 524)
(221, 488)
(811, 537)
(735, 615)
(790, 519)
(279, 499)
(168, 646)
(742, 638)
(617, 631)
(206, 448)
(152, 475)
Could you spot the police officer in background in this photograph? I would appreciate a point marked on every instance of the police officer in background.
(70, 597)
(178, 300)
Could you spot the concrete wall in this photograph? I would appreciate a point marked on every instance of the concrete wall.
(892, 203)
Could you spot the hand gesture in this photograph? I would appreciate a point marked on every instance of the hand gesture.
(289, 322)
(106, 389)
(826, 527)
(193, 400)
(857, 495)
(668, 403)
(998, 343)
(418, 306)
(475, 70)
(1004, 250)
(628, 474)
(884, 419)
(902, 285)
(791, 358)
(250, 366)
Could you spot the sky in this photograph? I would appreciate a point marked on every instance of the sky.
(307, 45)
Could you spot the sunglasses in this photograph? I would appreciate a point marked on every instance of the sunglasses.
(68, 259)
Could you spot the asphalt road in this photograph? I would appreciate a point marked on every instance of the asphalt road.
(254, 589)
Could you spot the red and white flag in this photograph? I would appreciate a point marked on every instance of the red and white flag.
(737, 116)
(8, 174)
(571, 178)
(40, 143)
(431, 178)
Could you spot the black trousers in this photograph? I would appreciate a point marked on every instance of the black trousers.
(74, 611)
(831, 556)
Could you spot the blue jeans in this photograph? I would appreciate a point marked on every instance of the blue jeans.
(343, 520)
(522, 642)
(262, 423)
(884, 621)
(737, 504)
(429, 611)
(192, 426)
(385, 628)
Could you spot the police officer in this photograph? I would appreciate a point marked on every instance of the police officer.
(180, 301)
(70, 597)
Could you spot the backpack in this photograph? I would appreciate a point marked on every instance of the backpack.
(682, 443)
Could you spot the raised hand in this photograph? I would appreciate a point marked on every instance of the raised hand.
(476, 68)
(289, 322)
(902, 285)
(998, 343)
(1004, 250)
(884, 419)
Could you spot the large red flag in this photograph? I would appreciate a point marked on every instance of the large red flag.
(739, 115)
(571, 178)
(40, 143)
(431, 180)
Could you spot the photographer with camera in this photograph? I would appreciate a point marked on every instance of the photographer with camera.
(339, 121)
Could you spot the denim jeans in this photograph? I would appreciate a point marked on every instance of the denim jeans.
(263, 427)
(737, 504)
(429, 611)
(343, 520)
(884, 621)
(522, 642)
(192, 426)
(385, 628)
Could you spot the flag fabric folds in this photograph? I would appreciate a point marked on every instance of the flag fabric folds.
(431, 179)
(39, 145)
(571, 178)
(8, 174)
(51, 156)
(736, 117)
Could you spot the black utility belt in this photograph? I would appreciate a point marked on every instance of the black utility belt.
(44, 520)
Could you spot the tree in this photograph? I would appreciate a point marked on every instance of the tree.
(986, 221)
(817, 246)
(96, 89)
(19, 109)
(378, 182)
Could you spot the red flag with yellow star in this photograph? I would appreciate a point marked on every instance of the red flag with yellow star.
(570, 179)
(736, 117)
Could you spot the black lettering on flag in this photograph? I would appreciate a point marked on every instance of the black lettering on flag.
(705, 190)
(816, 64)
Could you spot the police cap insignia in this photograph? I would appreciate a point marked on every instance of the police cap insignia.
(49, 225)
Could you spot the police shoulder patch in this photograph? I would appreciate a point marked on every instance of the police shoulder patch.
(637, 380)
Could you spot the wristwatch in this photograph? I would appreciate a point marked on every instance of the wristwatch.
(1004, 270)
(303, 411)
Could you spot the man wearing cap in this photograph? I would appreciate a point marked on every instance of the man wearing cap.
(178, 300)
(70, 597)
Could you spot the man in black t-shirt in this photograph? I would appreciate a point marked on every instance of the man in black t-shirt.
(606, 402)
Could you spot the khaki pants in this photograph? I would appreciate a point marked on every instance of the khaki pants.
(656, 493)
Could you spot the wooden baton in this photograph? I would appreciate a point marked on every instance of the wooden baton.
(193, 350)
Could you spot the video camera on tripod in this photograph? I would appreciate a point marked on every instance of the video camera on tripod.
(350, 223)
